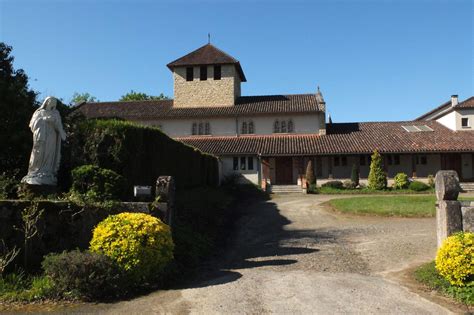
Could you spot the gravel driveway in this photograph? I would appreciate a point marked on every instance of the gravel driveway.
(292, 255)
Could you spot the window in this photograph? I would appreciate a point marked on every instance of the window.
(283, 126)
(362, 160)
(290, 126)
(423, 160)
(189, 73)
(250, 163)
(344, 161)
(276, 126)
(244, 129)
(465, 122)
(251, 127)
(242, 163)
(217, 72)
(236, 163)
(194, 129)
(201, 128)
(203, 73)
(396, 159)
(336, 161)
(389, 159)
(207, 129)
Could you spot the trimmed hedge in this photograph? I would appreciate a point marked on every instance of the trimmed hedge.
(140, 154)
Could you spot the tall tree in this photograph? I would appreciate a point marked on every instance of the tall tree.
(138, 96)
(83, 97)
(17, 104)
(377, 177)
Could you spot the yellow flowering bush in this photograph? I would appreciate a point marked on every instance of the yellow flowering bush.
(455, 259)
(140, 243)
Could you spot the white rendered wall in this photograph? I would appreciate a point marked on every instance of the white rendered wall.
(248, 176)
(448, 120)
(465, 113)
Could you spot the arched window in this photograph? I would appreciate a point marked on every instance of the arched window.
(283, 126)
(201, 128)
(251, 127)
(244, 128)
(291, 127)
(194, 129)
(276, 126)
(207, 128)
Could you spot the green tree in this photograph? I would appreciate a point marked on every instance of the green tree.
(138, 96)
(17, 104)
(377, 177)
(83, 97)
(310, 177)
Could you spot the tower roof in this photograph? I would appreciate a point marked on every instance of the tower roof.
(207, 55)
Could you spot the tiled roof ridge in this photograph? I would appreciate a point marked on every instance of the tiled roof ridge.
(247, 136)
(170, 64)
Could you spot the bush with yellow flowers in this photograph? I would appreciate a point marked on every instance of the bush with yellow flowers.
(140, 243)
(455, 259)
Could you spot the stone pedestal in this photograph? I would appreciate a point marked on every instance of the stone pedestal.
(448, 219)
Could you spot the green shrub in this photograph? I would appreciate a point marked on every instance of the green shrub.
(97, 184)
(139, 243)
(401, 181)
(431, 181)
(8, 187)
(349, 184)
(337, 184)
(310, 177)
(312, 189)
(418, 186)
(83, 274)
(455, 259)
(377, 177)
(355, 175)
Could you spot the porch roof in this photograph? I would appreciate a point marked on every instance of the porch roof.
(342, 138)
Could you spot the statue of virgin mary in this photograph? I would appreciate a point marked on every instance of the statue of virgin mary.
(47, 129)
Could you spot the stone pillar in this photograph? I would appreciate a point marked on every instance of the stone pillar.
(448, 209)
(165, 189)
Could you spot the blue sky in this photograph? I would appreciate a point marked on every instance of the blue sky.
(374, 60)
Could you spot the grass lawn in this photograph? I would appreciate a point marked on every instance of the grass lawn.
(428, 275)
(366, 191)
(400, 206)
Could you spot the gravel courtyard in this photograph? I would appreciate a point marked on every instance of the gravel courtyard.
(292, 255)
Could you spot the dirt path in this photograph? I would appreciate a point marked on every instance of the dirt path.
(291, 255)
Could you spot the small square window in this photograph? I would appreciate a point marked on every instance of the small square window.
(194, 129)
(217, 72)
(250, 163)
(189, 73)
(336, 161)
(207, 129)
(465, 122)
(236, 163)
(203, 73)
(396, 159)
(242, 163)
(344, 160)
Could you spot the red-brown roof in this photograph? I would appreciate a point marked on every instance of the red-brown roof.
(468, 103)
(163, 109)
(342, 138)
(207, 55)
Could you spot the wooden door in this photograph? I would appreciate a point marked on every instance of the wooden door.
(452, 162)
(284, 170)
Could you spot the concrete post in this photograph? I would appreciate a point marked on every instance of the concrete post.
(448, 209)
(165, 189)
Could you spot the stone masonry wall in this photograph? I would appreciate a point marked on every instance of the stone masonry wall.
(206, 93)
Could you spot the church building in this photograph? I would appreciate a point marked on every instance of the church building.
(269, 139)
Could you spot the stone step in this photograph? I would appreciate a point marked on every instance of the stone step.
(467, 186)
(285, 189)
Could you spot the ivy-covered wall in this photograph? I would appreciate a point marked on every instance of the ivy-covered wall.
(140, 154)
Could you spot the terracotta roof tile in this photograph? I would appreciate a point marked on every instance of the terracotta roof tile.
(163, 109)
(344, 138)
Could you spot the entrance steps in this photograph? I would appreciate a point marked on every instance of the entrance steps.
(286, 189)
(467, 186)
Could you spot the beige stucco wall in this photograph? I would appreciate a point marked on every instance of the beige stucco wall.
(465, 113)
(227, 126)
(206, 93)
(248, 176)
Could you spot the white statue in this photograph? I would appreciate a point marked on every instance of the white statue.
(48, 131)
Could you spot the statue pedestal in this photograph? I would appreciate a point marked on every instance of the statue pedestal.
(30, 191)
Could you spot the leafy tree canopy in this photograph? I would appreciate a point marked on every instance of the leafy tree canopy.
(17, 104)
(138, 96)
(83, 97)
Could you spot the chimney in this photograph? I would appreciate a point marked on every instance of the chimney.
(454, 100)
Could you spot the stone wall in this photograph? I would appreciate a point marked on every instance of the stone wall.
(206, 93)
(452, 216)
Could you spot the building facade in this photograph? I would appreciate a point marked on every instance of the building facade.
(269, 139)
